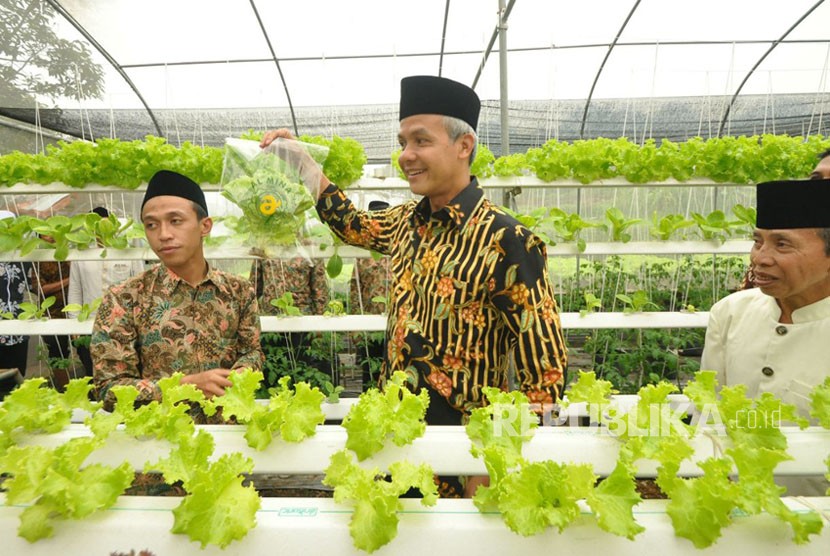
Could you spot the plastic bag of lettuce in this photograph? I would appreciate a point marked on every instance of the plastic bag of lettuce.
(277, 208)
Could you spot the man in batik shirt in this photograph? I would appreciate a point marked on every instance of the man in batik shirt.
(179, 316)
(303, 278)
(307, 282)
(471, 289)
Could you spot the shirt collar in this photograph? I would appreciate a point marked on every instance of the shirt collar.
(457, 211)
(169, 280)
(814, 311)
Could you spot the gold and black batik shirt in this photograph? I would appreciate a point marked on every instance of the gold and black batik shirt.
(469, 284)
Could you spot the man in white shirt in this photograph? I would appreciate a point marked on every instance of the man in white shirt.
(88, 280)
(776, 337)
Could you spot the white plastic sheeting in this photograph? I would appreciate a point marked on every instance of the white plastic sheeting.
(201, 70)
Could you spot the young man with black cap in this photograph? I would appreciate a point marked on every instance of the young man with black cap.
(471, 292)
(181, 315)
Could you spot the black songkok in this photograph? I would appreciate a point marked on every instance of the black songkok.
(427, 94)
(166, 182)
(791, 204)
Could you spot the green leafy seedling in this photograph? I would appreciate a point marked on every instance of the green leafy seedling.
(714, 226)
(664, 228)
(592, 304)
(746, 218)
(619, 224)
(33, 311)
(285, 304)
(84, 310)
(636, 302)
(332, 392)
(569, 226)
(334, 308)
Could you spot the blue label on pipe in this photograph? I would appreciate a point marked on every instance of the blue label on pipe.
(298, 512)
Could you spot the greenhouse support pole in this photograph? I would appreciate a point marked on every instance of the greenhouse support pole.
(505, 116)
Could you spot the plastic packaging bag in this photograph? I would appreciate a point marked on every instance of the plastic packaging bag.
(269, 186)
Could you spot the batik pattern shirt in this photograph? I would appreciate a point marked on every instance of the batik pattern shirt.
(469, 284)
(370, 279)
(50, 273)
(156, 324)
(13, 288)
(304, 279)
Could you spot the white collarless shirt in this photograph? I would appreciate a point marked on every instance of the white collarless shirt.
(746, 344)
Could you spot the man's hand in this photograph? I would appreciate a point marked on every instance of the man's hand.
(273, 135)
(296, 156)
(211, 383)
(473, 483)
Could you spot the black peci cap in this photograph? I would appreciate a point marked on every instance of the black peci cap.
(166, 182)
(427, 94)
(791, 204)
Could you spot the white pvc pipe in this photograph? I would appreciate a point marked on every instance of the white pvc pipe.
(730, 247)
(377, 323)
(445, 448)
(320, 526)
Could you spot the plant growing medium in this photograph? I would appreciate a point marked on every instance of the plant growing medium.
(531, 496)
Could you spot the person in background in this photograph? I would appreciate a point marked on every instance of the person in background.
(181, 315)
(773, 337)
(822, 169)
(820, 172)
(51, 278)
(306, 281)
(370, 280)
(13, 287)
(88, 280)
(471, 296)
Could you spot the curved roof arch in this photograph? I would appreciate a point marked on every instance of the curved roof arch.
(200, 70)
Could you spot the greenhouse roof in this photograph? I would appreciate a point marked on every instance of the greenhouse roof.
(202, 69)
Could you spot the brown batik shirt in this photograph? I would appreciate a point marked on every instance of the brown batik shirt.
(469, 284)
(50, 273)
(155, 324)
(304, 279)
(370, 279)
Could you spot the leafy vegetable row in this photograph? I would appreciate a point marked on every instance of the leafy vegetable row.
(531, 496)
(24, 233)
(128, 164)
(727, 159)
